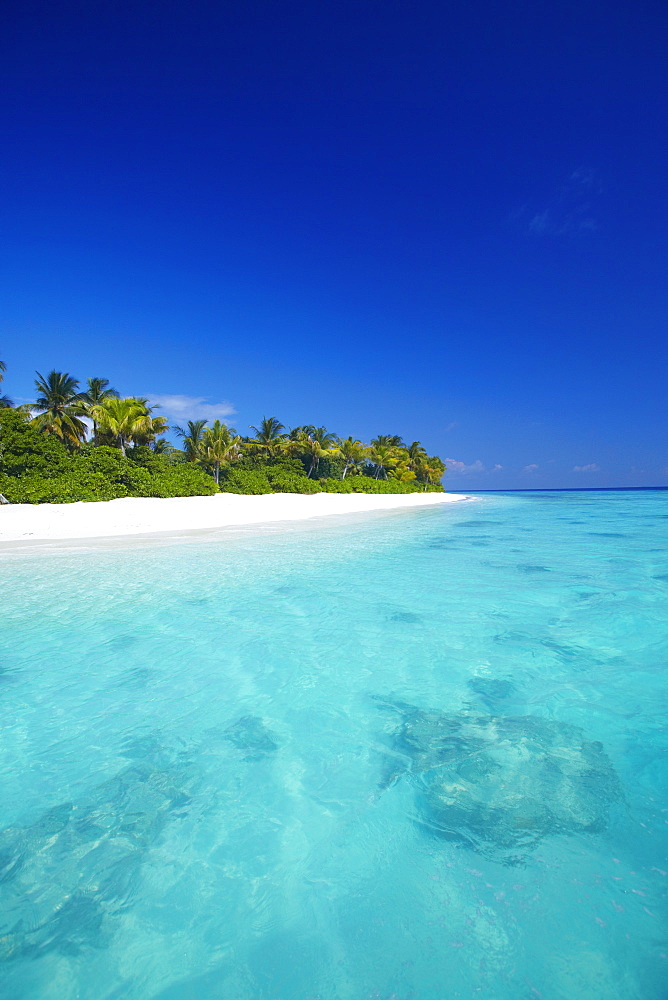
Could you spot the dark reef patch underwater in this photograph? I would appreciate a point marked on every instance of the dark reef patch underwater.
(76, 867)
(501, 784)
(250, 735)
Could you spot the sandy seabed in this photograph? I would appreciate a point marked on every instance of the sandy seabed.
(143, 515)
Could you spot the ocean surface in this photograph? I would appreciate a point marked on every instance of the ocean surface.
(405, 756)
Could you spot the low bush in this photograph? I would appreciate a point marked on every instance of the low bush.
(335, 486)
(66, 488)
(184, 480)
(282, 481)
(278, 481)
(106, 478)
(364, 484)
(24, 450)
(245, 481)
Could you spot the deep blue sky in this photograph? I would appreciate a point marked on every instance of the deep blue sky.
(440, 219)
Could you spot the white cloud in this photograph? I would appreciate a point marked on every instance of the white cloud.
(592, 467)
(530, 468)
(462, 468)
(178, 407)
(451, 426)
(496, 468)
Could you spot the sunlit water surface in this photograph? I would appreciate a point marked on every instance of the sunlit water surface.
(273, 767)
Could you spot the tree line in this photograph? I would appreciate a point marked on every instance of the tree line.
(384, 458)
(97, 416)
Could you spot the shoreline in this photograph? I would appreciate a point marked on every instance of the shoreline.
(130, 516)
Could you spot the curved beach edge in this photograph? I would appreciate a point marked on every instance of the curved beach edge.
(145, 515)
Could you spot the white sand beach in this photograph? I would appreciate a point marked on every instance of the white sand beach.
(141, 516)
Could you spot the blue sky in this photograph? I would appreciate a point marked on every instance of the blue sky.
(440, 219)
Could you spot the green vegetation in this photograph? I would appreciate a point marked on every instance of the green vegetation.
(89, 445)
(37, 467)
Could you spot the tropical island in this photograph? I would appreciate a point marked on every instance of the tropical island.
(73, 444)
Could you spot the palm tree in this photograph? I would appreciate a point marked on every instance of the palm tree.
(430, 470)
(192, 439)
(315, 443)
(5, 401)
(98, 390)
(416, 454)
(147, 432)
(220, 444)
(384, 457)
(402, 474)
(161, 446)
(297, 432)
(268, 436)
(60, 403)
(123, 420)
(388, 441)
(353, 452)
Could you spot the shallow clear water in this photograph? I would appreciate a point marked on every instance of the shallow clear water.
(274, 767)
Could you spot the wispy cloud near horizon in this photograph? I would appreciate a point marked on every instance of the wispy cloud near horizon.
(456, 467)
(453, 465)
(592, 467)
(180, 407)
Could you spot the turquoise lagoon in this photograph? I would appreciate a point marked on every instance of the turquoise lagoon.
(272, 766)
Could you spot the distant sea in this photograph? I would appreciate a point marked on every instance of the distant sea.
(415, 755)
